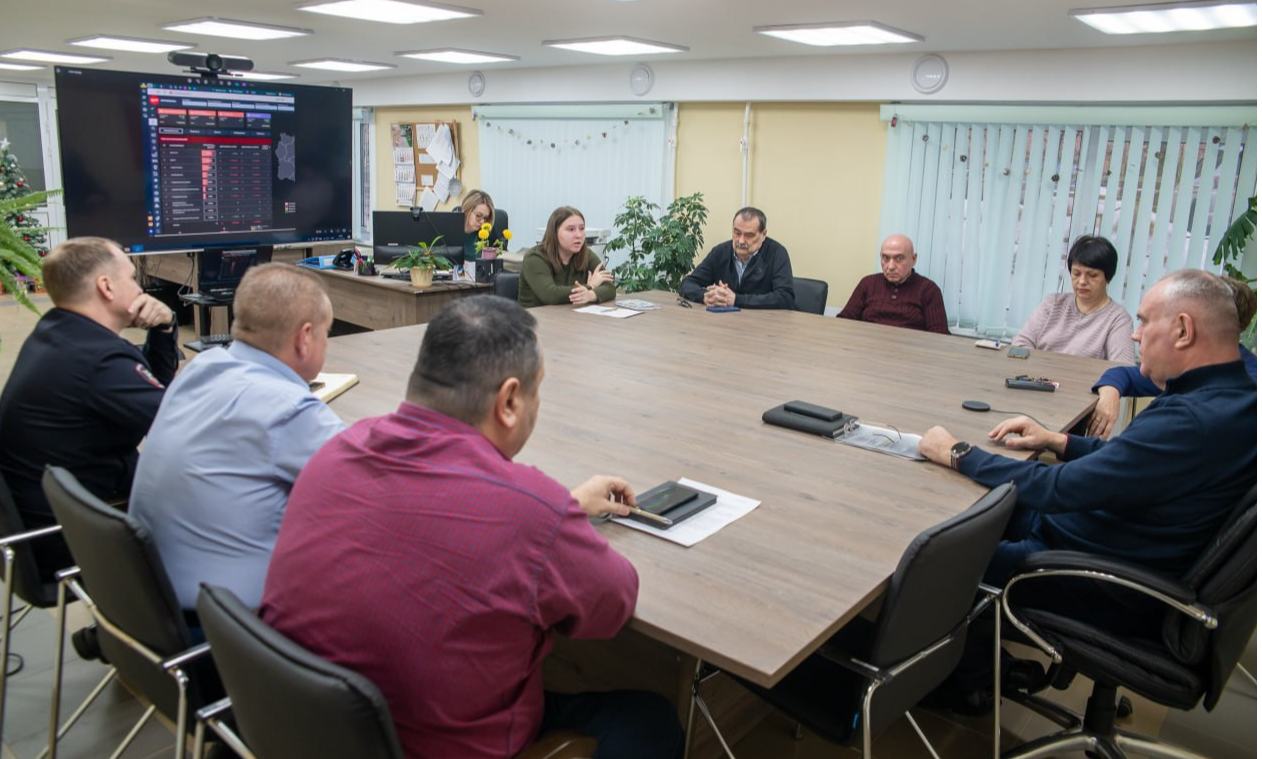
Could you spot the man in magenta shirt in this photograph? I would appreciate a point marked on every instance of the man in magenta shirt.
(898, 296)
(415, 552)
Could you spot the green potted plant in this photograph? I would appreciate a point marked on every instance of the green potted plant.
(421, 263)
(662, 250)
(17, 255)
(1231, 249)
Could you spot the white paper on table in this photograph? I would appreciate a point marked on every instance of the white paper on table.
(616, 313)
(470, 269)
(449, 169)
(405, 172)
(440, 188)
(423, 133)
(440, 147)
(405, 194)
(402, 156)
(695, 529)
(428, 201)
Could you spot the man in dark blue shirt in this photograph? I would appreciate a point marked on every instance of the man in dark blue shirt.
(1157, 492)
(80, 396)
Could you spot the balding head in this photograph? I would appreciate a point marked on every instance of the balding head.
(1187, 320)
(898, 257)
(282, 309)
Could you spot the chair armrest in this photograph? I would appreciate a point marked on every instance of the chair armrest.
(184, 657)
(1049, 564)
(1114, 569)
(562, 744)
(22, 537)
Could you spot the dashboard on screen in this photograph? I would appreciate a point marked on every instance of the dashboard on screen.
(162, 162)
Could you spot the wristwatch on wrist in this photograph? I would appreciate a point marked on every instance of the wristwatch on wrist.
(958, 452)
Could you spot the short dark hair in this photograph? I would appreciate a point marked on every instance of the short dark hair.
(71, 267)
(1094, 253)
(469, 350)
(749, 213)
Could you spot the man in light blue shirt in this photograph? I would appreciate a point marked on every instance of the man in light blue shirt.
(233, 431)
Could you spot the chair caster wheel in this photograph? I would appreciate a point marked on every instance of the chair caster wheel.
(1124, 707)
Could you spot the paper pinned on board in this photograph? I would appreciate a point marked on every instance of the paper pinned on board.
(405, 173)
(440, 147)
(428, 201)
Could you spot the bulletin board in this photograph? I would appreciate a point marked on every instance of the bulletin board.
(426, 163)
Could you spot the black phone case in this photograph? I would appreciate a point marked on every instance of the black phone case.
(813, 411)
(1019, 384)
(685, 510)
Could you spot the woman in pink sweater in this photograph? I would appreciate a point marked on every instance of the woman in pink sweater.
(1085, 322)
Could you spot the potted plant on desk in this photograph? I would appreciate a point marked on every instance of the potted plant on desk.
(489, 251)
(421, 263)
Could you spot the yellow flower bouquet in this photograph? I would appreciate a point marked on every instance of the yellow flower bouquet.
(488, 248)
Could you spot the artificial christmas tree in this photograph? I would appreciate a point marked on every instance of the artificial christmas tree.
(13, 185)
(23, 242)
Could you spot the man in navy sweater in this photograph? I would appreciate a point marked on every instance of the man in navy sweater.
(1156, 493)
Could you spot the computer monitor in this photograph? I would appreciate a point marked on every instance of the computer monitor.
(221, 269)
(395, 231)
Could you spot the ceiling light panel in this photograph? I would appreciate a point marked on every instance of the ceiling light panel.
(1169, 17)
(342, 64)
(51, 56)
(452, 55)
(616, 46)
(840, 33)
(390, 11)
(130, 44)
(18, 67)
(243, 30)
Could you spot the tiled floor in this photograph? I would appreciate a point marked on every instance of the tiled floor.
(1229, 732)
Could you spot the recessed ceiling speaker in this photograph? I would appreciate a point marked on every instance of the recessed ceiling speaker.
(641, 79)
(929, 74)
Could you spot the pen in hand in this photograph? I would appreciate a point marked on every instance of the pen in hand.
(650, 515)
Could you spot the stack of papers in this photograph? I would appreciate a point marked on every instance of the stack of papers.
(326, 387)
(616, 313)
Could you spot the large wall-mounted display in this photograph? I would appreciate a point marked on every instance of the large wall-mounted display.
(161, 162)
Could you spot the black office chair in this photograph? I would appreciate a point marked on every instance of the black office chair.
(289, 703)
(811, 295)
(506, 283)
(1211, 614)
(142, 628)
(872, 673)
(500, 223)
(34, 585)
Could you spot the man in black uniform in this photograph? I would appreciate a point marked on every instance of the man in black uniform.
(751, 271)
(80, 396)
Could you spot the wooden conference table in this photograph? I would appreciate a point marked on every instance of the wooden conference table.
(680, 392)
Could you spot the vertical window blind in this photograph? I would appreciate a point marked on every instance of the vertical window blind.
(537, 158)
(993, 205)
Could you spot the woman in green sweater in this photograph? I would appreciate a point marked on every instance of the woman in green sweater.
(562, 269)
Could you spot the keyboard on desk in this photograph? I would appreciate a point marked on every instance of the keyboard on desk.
(221, 339)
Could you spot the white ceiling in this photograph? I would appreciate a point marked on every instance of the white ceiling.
(712, 29)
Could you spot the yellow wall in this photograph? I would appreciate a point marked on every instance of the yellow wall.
(470, 168)
(815, 169)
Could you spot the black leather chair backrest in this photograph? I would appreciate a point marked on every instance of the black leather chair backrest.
(506, 283)
(1225, 578)
(500, 223)
(123, 573)
(286, 701)
(930, 593)
(811, 295)
(27, 583)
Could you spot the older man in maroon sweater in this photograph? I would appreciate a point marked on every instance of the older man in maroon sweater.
(898, 296)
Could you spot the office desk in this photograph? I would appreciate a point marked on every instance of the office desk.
(379, 303)
(680, 393)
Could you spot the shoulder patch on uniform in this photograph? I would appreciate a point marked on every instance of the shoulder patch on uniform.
(147, 375)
